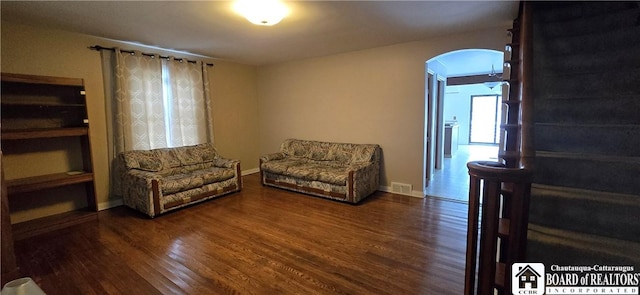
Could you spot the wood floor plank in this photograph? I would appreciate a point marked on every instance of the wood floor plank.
(261, 240)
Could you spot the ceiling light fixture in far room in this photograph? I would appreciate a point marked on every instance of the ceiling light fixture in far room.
(262, 12)
(493, 75)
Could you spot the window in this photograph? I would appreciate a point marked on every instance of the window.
(184, 104)
(485, 119)
(160, 102)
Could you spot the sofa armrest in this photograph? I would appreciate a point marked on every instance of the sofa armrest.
(366, 180)
(272, 156)
(138, 190)
(225, 163)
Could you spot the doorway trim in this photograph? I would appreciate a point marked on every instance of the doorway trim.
(434, 107)
(433, 155)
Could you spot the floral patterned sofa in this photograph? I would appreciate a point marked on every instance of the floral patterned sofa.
(341, 171)
(161, 180)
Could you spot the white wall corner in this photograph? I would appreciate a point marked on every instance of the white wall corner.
(385, 189)
(250, 171)
(110, 204)
(418, 194)
(414, 193)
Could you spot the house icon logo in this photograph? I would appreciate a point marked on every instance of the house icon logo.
(527, 278)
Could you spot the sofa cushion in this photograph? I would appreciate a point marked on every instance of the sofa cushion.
(214, 174)
(343, 153)
(168, 157)
(208, 152)
(305, 169)
(340, 153)
(281, 166)
(363, 153)
(333, 175)
(188, 155)
(143, 160)
(180, 182)
(150, 163)
(296, 148)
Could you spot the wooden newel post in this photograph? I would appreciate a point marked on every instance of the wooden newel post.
(497, 232)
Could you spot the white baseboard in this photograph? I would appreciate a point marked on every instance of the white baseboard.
(415, 194)
(110, 204)
(250, 171)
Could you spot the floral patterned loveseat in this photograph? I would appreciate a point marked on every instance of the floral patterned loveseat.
(161, 180)
(341, 171)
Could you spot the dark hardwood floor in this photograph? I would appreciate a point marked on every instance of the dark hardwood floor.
(259, 241)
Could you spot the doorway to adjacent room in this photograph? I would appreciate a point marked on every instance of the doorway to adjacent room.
(452, 181)
(462, 121)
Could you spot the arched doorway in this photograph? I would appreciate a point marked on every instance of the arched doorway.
(458, 118)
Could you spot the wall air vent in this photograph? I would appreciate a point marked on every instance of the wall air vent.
(401, 188)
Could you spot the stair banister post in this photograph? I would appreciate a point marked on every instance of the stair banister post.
(502, 223)
(526, 81)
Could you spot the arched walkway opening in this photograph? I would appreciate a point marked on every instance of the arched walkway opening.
(462, 118)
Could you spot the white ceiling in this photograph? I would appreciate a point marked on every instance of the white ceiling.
(213, 29)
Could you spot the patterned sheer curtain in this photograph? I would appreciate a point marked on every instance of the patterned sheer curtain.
(153, 102)
(139, 104)
(187, 95)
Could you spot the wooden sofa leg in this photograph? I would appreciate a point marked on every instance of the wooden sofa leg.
(261, 173)
(239, 174)
(351, 192)
(156, 197)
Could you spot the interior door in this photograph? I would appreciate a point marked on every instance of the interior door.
(434, 118)
(429, 130)
(439, 122)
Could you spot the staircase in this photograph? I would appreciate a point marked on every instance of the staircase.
(585, 198)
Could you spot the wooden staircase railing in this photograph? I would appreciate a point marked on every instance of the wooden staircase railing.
(503, 188)
(503, 193)
(517, 141)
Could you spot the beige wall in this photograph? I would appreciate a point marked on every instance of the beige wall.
(368, 96)
(40, 51)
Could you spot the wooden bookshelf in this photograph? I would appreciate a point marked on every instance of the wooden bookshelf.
(44, 133)
(41, 182)
(47, 108)
(43, 225)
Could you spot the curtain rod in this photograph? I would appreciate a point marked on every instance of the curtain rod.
(98, 48)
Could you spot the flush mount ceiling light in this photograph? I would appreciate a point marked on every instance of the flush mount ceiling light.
(262, 12)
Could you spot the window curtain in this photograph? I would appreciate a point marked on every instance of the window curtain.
(139, 104)
(187, 107)
(153, 102)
